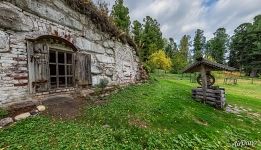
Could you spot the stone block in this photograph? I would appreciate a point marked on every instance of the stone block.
(105, 59)
(109, 72)
(109, 52)
(4, 42)
(108, 44)
(90, 34)
(87, 45)
(41, 108)
(22, 116)
(11, 18)
(6, 121)
(96, 69)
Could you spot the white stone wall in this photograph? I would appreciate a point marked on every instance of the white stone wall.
(111, 59)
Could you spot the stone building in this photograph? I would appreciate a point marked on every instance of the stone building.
(47, 47)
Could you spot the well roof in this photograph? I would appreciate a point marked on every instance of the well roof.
(210, 66)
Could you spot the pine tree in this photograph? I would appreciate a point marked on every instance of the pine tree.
(199, 44)
(245, 47)
(218, 45)
(137, 32)
(120, 14)
(184, 46)
(152, 39)
(239, 46)
(171, 48)
(180, 58)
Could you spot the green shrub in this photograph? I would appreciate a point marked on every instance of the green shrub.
(103, 83)
(3, 113)
(147, 68)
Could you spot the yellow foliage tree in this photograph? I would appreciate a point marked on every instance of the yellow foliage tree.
(160, 60)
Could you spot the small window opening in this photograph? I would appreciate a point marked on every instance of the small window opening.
(61, 74)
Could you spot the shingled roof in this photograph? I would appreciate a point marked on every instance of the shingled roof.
(210, 66)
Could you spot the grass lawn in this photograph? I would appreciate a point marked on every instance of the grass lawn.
(155, 115)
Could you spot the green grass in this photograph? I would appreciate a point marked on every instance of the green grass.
(3, 113)
(244, 94)
(156, 115)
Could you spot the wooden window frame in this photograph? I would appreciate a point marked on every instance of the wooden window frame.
(65, 64)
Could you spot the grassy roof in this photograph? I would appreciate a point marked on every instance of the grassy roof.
(100, 19)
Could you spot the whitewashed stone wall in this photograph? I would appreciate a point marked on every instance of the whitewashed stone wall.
(29, 19)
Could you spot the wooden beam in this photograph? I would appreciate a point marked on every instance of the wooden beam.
(204, 82)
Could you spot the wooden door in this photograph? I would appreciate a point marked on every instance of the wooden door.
(83, 76)
(38, 65)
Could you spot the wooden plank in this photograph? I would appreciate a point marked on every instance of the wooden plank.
(65, 69)
(89, 72)
(57, 69)
(209, 95)
(209, 91)
(204, 81)
(30, 51)
(211, 103)
(83, 69)
(207, 98)
(41, 67)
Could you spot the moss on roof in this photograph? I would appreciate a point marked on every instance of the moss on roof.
(101, 20)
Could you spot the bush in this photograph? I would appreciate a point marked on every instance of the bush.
(160, 60)
(3, 113)
(147, 68)
(152, 79)
(103, 83)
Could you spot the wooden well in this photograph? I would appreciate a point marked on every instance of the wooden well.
(207, 93)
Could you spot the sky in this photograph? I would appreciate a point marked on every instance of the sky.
(180, 17)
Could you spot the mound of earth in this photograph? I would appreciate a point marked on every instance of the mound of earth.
(64, 107)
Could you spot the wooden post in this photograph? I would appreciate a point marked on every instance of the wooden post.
(204, 82)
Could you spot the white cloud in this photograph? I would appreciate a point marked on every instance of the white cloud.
(179, 17)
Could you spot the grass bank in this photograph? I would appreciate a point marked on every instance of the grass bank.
(155, 115)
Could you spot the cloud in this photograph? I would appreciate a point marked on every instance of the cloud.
(179, 17)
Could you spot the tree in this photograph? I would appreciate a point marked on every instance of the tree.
(151, 38)
(120, 14)
(160, 60)
(171, 47)
(199, 44)
(218, 45)
(180, 58)
(255, 54)
(245, 47)
(137, 32)
(238, 46)
(184, 47)
(179, 63)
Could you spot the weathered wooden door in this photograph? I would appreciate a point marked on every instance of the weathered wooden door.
(38, 63)
(83, 69)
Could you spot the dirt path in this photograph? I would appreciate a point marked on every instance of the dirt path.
(64, 107)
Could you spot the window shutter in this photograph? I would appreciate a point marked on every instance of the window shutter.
(38, 63)
(30, 51)
(83, 69)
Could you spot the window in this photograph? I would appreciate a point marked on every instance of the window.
(61, 73)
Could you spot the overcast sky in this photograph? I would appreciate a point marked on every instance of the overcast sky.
(179, 17)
